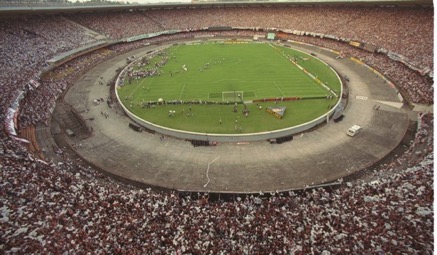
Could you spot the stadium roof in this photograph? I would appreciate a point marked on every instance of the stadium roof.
(6, 10)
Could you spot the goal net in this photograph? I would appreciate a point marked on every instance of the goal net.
(232, 96)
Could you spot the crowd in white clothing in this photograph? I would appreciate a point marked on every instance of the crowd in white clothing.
(69, 208)
(64, 206)
(355, 23)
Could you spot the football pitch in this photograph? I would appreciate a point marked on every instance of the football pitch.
(195, 87)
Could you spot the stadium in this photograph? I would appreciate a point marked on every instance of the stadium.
(82, 173)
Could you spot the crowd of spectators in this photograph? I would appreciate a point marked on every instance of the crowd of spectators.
(70, 208)
(27, 43)
(118, 25)
(405, 38)
(64, 206)
(137, 71)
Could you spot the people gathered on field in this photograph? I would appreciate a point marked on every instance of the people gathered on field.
(62, 205)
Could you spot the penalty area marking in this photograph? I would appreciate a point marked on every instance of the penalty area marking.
(229, 80)
(207, 172)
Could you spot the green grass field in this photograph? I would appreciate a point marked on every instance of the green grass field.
(204, 71)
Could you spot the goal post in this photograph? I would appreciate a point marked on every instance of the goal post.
(232, 96)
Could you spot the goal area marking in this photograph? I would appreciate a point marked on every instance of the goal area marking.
(234, 96)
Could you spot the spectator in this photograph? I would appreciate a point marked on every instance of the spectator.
(64, 206)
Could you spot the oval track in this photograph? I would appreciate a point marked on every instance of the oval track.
(322, 155)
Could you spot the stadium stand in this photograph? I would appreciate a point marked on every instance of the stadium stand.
(61, 205)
